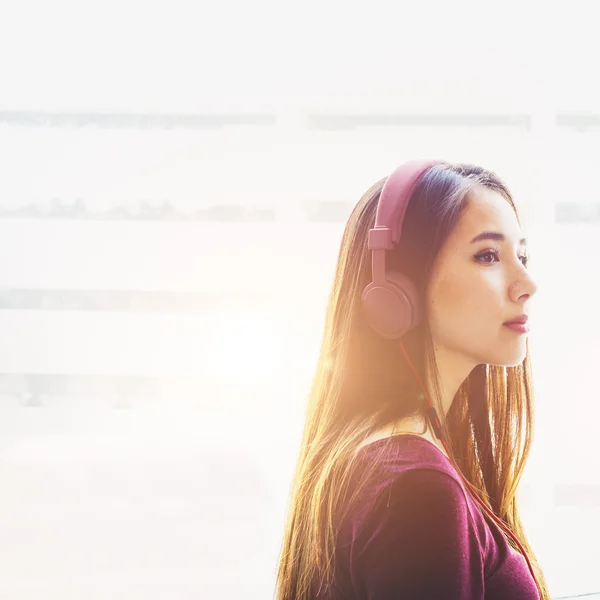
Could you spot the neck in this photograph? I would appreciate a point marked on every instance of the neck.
(453, 370)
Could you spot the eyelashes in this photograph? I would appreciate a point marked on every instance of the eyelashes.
(495, 253)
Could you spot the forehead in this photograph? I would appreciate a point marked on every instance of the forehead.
(487, 210)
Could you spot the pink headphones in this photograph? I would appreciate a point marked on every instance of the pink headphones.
(391, 301)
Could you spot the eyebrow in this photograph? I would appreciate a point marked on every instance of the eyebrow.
(492, 235)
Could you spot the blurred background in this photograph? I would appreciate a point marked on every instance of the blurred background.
(174, 182)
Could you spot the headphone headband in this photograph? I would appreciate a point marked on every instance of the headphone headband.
(393, 201)
(391, 210)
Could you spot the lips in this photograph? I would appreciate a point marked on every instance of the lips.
(519, 320)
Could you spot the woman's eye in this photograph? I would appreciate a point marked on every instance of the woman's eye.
(494, 254)
(484, 254)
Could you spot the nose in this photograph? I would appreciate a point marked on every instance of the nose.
(524, 287)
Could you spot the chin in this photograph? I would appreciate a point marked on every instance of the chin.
(509, 355)
(515, 363)
(509, 361)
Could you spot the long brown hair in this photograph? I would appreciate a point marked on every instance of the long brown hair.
(362, 383)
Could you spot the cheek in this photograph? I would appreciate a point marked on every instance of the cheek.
(448, 297)
(459, 305)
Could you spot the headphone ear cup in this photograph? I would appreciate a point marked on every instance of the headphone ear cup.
(392, 309)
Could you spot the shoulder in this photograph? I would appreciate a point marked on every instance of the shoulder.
(424, 494)
(419, 534)
(388, 461)
(407, 479)
(422, 500)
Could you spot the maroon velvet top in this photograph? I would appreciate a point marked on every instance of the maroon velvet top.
(416, 533)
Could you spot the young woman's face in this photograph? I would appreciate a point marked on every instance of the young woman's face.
(477, 286)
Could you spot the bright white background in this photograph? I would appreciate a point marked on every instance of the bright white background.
(178, 488)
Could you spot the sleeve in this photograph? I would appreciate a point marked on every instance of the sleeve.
(419, 543)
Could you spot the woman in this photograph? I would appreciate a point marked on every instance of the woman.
(420, 416)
